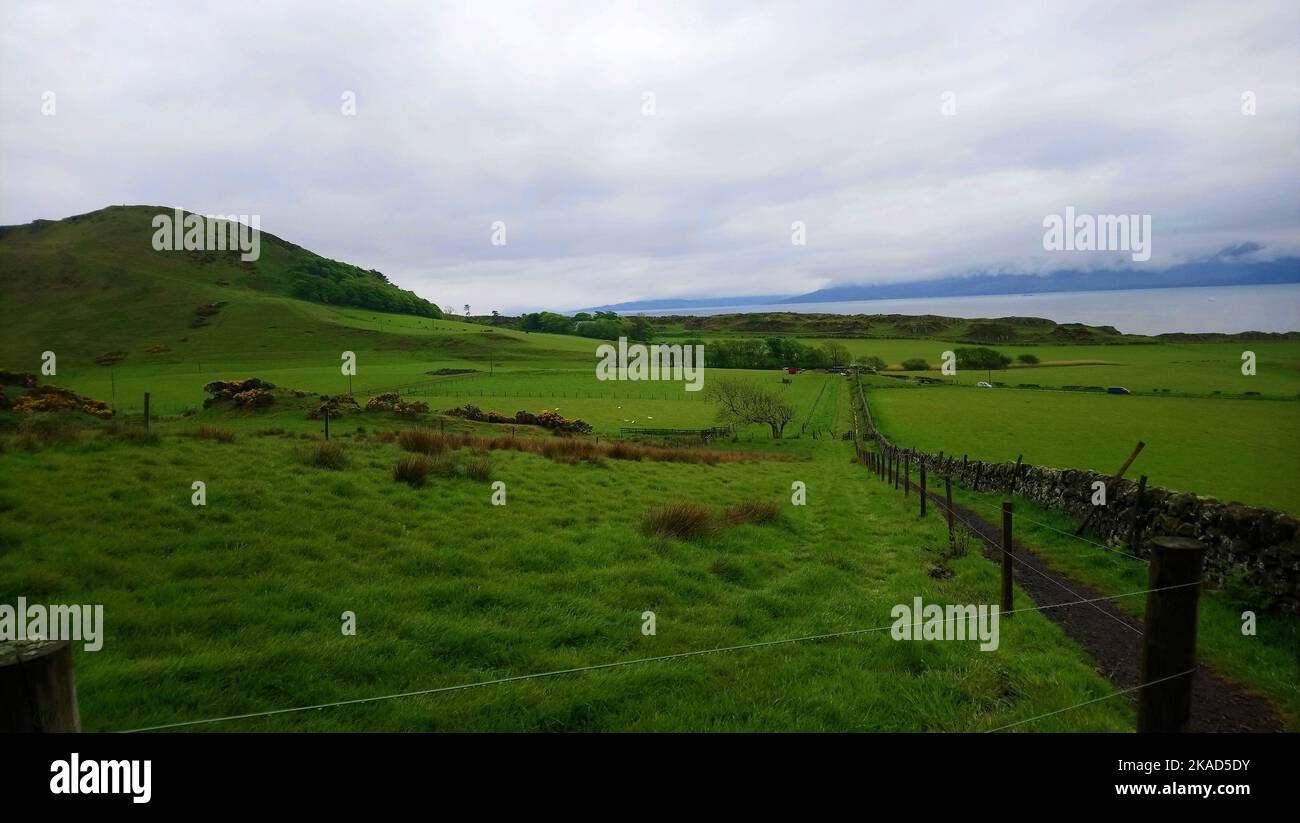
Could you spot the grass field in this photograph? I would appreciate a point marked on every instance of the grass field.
(1242, 450)
(235, 607)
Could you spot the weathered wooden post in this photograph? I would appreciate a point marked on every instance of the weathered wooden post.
(1006, 558)
(1135, 528)
(947, 491)
(907, 474)
(37, 690)
(979, 469)
(327, 420)
(923, 490)
(146, 410)
(1169, 639)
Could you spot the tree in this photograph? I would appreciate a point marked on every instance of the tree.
(981, 358)
(872, 362)
(916, 364)
(743, 401)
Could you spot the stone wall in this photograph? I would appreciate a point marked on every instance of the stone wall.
(1257, 548)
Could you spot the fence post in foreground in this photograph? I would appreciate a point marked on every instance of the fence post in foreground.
(327, 422)
(1169, 639)
(146, 410)
(1006, 558)
(947, 490)
(923, 490)
(37, 690)
(907, 474)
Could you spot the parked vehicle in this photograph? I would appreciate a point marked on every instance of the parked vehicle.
(1118, 390)
(984, 385)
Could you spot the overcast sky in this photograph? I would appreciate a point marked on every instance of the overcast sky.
(764, 114)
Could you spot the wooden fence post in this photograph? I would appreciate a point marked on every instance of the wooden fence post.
(1169, 639)
(923, 490)
(38, 692)
(327, 422)
(1135, 529)
(947, 490)
(146, 410)
(1006, 558)
(907, 474)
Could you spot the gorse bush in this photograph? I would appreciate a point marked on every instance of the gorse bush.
(916, 364)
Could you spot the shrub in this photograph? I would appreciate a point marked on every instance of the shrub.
(916, 364)
(215, 433)
(681, 520)
(1028, 359)
(412, 470)
(752, 511)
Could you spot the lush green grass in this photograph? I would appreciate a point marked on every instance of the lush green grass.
(236, 607)
(1242, 450)
(1188, 368)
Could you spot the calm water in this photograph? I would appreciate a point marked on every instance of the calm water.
(1228, 309)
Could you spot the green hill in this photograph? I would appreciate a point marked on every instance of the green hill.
(93, 287)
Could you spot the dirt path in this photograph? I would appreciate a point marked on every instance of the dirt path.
(1114, 638)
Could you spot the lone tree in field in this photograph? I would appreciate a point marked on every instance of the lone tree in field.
(741, 401)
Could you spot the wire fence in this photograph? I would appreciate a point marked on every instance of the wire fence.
(656, 659)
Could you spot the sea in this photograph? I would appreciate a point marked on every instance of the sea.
(1226, 309)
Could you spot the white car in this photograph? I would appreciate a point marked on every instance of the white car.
(984, 385)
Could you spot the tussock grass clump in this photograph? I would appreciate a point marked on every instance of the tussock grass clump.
(412, 470)
(443, 465)
(752, 511)
(131, 434)
(682, 520)
(215, 433)
(478, 468)
(324, 455)
(42, 430)
(274, 432)
(568, 449)
(422, 441)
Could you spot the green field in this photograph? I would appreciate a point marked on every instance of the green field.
(234, 607)
(1238, 450)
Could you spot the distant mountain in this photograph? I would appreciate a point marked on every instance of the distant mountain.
(653, 305)
(1223, 269)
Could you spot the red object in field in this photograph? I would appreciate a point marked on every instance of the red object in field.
(791, 370)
